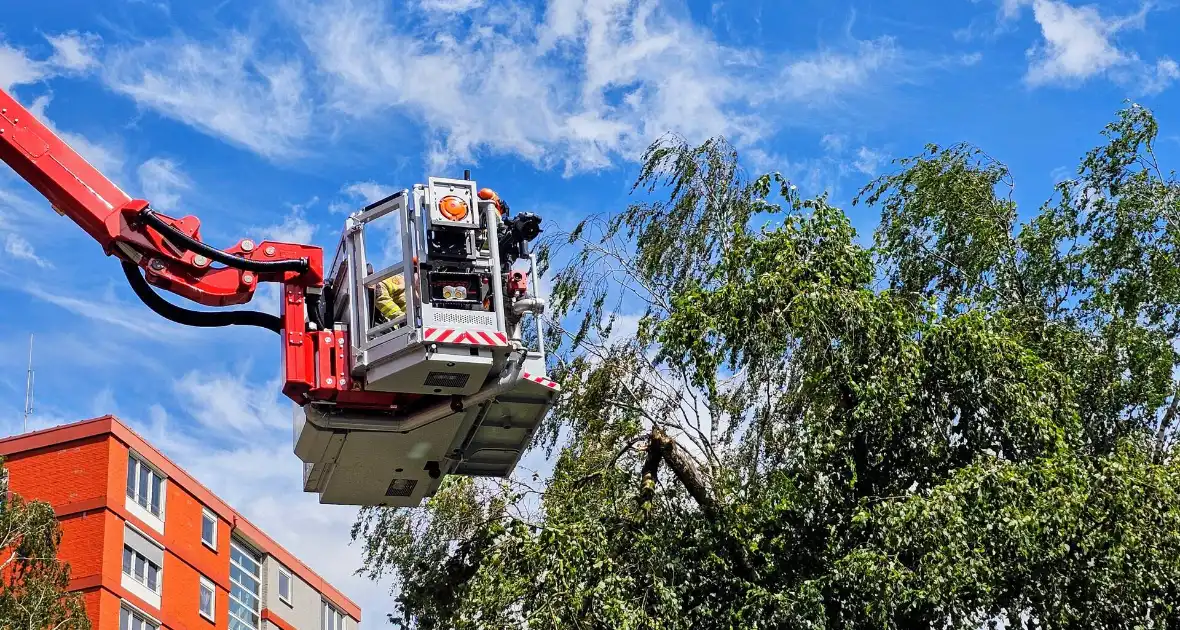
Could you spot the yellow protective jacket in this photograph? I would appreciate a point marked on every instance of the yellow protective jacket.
(391, 297)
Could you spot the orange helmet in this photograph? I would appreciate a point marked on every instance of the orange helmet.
(487, 194)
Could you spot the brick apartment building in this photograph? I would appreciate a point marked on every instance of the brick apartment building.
(151, 549)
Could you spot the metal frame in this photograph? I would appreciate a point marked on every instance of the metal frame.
(370, 344)
(362, 336)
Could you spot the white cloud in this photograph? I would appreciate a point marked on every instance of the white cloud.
(74, 51)
(229, 89)
(229, 402)
(368, 192)
(827, 172)
(293, 229)
(110, 312)
(1165, 72)
(360, 193)
(833, 142)
(19, 248)
(587, 83)
(868, 160)
(450, 6)
(1079, 44)
(1011, 8)
(826, 74)
(163, 182)
(16, 68)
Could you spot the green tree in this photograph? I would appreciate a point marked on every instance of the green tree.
(970, 422)
(33, 592)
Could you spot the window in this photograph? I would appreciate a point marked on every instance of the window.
(332, 619)
(285, 586)
(145, 486)
(135, 620)
(208, 597)
(139, 568)
(209, 529)
(245, 578)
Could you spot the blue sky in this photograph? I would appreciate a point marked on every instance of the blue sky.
(272, 118)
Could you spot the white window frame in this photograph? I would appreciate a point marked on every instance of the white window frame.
(245, 549)
(148, 622)
(286, 599)
(207, 584)
(208, 514)
(330, 617)
(136, 555)
(156, 521)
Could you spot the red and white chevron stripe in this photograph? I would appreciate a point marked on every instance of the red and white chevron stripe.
(539, 379)
(470, 337)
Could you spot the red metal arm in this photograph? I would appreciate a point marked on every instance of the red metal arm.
(78, 191)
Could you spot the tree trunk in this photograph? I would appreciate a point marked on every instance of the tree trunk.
(649, 474)
(688, 474)
(661, 446)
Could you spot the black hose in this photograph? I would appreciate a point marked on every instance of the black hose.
(237, 262)
(201, 319)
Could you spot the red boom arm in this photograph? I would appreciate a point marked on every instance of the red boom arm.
(78, 191)
(171, 252)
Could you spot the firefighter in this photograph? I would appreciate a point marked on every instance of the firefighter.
(390, 298)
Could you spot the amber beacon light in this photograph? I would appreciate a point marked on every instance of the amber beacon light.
(453, 208)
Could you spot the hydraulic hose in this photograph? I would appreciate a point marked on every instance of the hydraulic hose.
(202, 319)
(237, 262)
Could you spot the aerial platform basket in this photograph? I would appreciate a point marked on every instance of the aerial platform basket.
(448, 386)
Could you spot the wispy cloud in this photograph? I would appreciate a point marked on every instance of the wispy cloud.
(228, 402)
(826, 74)
(1078, 43)
(134, 319)
(294, 228)
(360, 193)
(16, 68)
(163, 182)
(450, 6)
(580, 86)
(19, 248)
(72, 52)
(868, 161)
(840, 159)
(232, 89)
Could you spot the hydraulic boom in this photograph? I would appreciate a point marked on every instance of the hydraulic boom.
(388, 405)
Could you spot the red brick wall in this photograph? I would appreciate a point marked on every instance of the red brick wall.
(73, 476)
(186, 558)
(82, 543)
(85, 479)
(60, 475)
(182, 536)
(103, 609)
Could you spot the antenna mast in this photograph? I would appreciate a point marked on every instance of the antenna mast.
(28, 390)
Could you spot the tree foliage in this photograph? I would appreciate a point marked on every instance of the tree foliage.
(33, 581)
(970, 421)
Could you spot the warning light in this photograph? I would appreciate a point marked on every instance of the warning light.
(452, 208)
